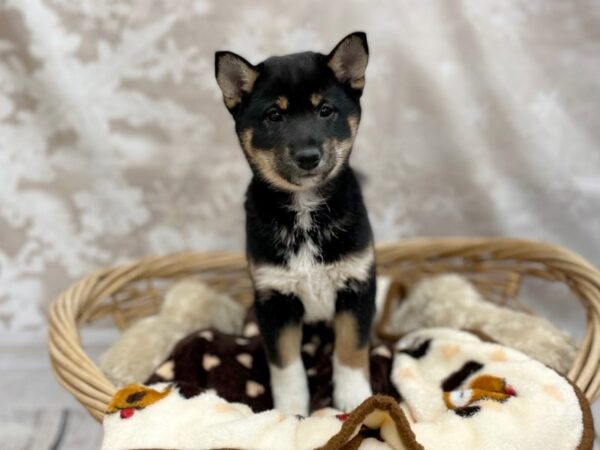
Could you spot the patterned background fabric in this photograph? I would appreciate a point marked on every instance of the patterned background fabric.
(480, 118)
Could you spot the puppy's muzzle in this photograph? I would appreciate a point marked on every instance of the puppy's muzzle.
(307, 158)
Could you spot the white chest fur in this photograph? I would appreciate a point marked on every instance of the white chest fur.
(314, 283)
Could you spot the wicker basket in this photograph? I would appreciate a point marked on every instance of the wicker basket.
(496, 266)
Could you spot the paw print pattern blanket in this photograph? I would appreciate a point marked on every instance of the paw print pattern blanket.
(438, 389)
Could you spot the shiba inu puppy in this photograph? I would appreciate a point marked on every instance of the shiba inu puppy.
(309, 241)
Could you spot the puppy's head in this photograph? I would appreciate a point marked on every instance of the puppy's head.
(296, 116)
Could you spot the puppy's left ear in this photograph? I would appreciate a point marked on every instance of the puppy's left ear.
(235, 76)
(348, 60)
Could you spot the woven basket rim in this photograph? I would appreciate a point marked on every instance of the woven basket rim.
(81, 376)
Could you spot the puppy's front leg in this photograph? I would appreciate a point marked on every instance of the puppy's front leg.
(355, 308)
(280, 321)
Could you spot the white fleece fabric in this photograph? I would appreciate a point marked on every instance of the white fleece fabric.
(545, 413)
(189, 305)
(207, 421)
(450, 300)
(505, 400)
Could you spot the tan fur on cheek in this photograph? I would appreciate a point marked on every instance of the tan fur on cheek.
(342, 148)
(315, 99)
(282, 102)
(264, 162)
(347, 347)
(246, 142)
(288, 345)
(353, 124)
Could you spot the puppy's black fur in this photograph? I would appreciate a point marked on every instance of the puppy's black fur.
(342, 210)
(309, 241)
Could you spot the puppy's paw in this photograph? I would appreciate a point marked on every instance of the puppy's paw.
(348, 397)
(350, 387)
(294, 403)
(289, 387)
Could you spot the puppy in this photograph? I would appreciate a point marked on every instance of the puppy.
(309, 241)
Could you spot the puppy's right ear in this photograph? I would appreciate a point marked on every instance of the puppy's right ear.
(235, 77)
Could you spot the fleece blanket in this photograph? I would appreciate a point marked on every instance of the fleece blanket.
(236, 366)
(447, 389)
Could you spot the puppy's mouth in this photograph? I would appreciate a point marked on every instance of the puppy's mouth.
(311, 177)
(312, 173)
(285, 172)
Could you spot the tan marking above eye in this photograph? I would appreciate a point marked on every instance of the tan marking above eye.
(282, 102)
(315, 99)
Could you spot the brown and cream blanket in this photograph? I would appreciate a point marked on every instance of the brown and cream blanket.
(438, 389)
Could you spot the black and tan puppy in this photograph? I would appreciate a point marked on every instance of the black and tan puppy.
(309, 241)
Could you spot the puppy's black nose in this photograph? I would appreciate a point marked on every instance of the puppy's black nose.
(307, 158)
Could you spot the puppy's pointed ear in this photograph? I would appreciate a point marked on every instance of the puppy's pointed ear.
(235, 77)
(348, 60)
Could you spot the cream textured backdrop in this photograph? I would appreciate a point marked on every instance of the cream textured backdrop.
(480, 118)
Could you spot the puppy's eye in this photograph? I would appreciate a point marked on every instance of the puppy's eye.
(325, 111)
(273, 115)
